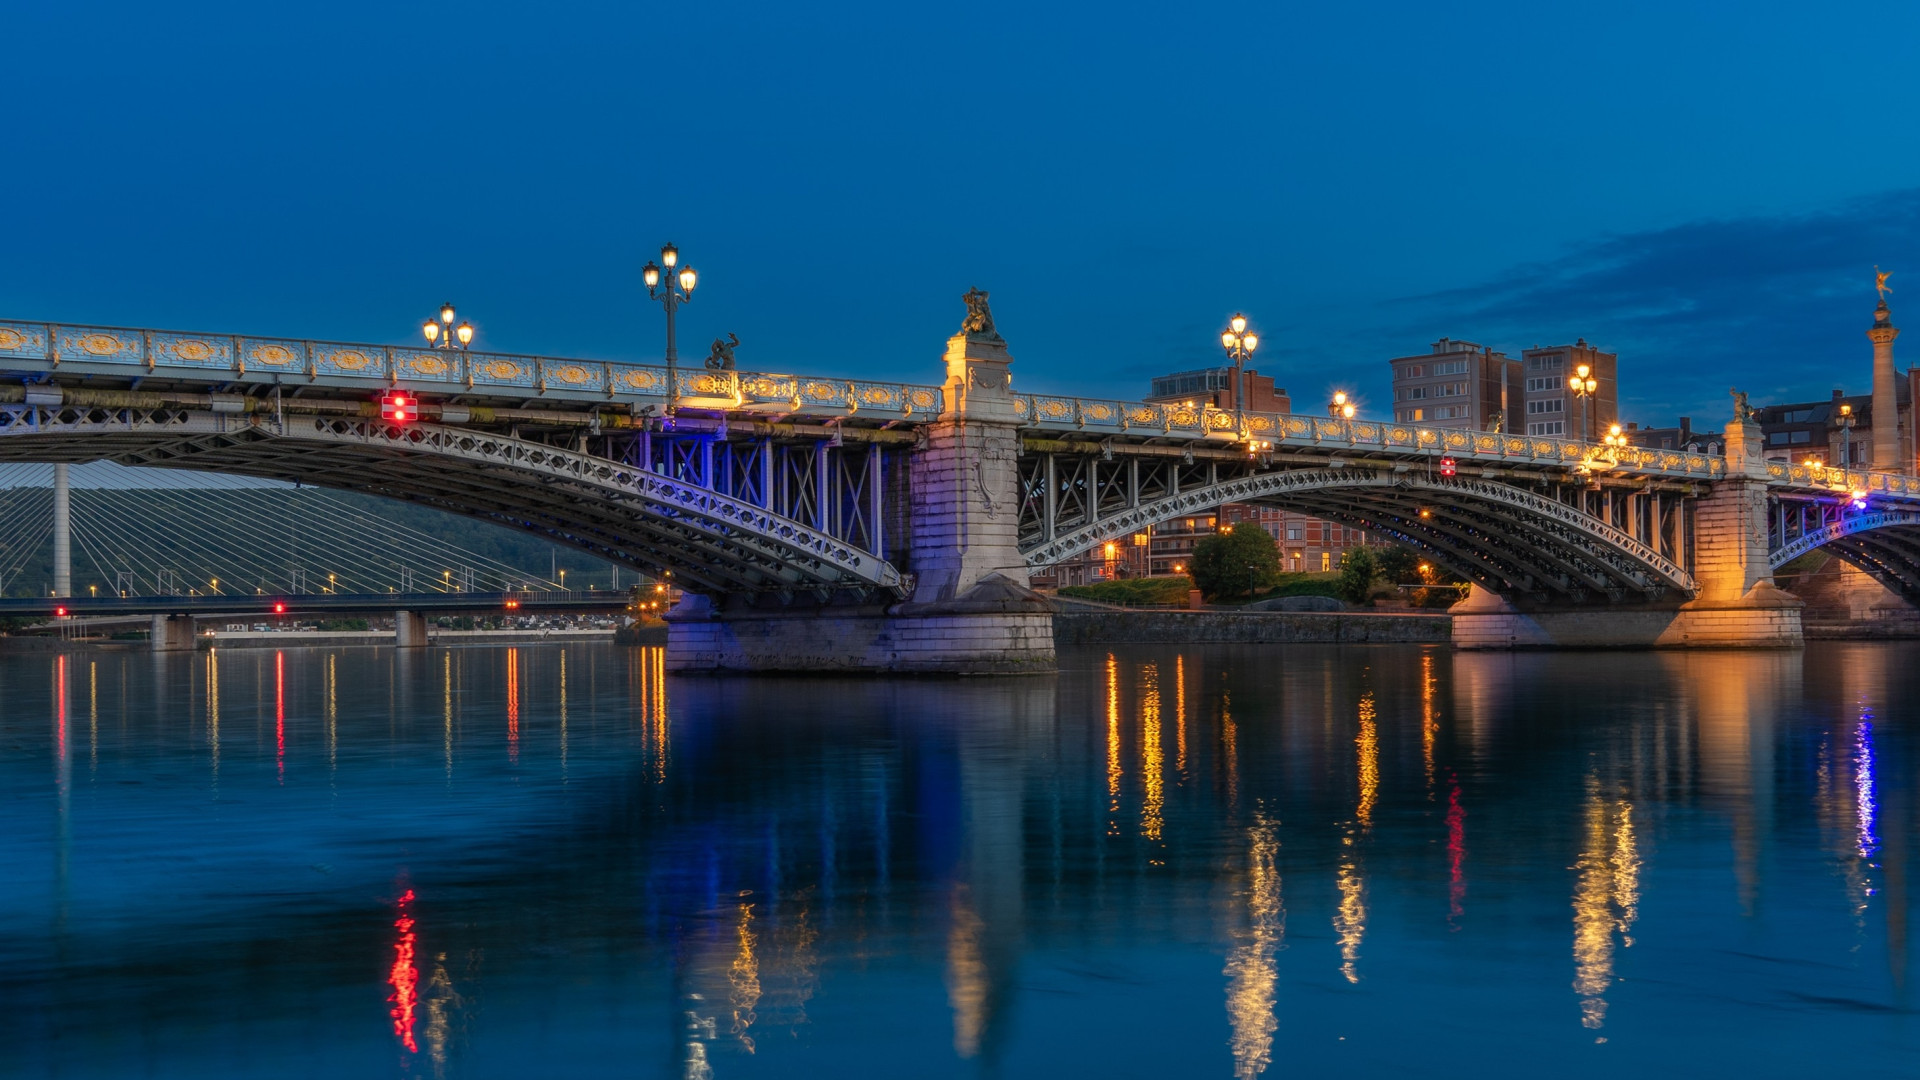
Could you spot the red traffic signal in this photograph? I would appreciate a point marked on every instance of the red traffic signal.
(399, 407)
(279, 607)
(1447, 466)
(59, 613)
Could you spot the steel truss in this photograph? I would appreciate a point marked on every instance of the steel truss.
(1577, 544)
(656, 520)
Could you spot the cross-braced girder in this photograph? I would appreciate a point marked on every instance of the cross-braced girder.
(1510, 540)
(1882, 542)
(657, 522)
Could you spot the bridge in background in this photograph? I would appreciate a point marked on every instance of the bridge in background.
(822, 522)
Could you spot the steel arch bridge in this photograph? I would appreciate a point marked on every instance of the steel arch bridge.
(789, 486)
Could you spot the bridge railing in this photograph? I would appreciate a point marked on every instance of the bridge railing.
(249, 358)
(1293, 429)
(1843, 482)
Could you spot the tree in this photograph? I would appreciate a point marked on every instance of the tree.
(1397, 565)
(1235, 561)
(1358, 568)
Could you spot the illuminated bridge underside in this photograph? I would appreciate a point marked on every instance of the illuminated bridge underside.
(708, 541)
(1885, 544)
(1506, 539)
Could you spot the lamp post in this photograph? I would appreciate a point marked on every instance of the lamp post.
(1341, 407)
(1846, 435)
(677, 290)
(1239, 344)
(442, 334)
(1583, 385)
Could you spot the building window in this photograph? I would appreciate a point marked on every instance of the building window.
(1549, 427)
(1294, 560)
(1551, 405)
(1543, 382)
(1326, 561)
(1293, 532)
(1413, 371)
(1546, 363)
(1412, 415)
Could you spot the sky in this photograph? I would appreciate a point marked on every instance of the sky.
(1704, 188)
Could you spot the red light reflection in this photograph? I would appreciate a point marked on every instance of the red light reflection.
(1456, 854)
(404, 977)
(280, 713)
(513, 705)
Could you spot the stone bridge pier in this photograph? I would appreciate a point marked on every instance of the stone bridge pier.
(1738, 604)
(968, 611)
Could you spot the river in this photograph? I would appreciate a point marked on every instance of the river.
(1209, 861)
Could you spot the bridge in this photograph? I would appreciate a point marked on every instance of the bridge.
(827, 523)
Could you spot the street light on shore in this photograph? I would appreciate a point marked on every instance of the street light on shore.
(442, 334)
(1341, 407)
(677, 290)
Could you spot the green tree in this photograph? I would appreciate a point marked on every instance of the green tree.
(1235, 562)
(1397, 565)
(1358, 568)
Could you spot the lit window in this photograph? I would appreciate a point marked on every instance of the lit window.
(1326, 561)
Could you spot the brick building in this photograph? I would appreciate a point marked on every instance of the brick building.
(1457, 384)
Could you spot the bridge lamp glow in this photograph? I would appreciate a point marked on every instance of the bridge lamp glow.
(442, 334)
(1239, 345)
(650, 273)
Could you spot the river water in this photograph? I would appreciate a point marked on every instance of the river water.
(1207, 861)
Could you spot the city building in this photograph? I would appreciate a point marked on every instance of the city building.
(1552, 408)
(1681, 437)
(1838, 431)
(1457, 384)
(1214, 386)
(1307, 544)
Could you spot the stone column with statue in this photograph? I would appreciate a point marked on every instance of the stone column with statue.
(970, 610)
(1886, 408)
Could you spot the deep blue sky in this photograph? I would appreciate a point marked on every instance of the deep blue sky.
(1703, 187)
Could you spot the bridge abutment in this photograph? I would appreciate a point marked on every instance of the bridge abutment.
(970, 611)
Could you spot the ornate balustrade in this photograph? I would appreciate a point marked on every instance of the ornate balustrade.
(252, 358)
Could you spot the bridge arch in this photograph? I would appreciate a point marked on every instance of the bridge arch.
(1504, 538)
(1884, 543)
(710, 542)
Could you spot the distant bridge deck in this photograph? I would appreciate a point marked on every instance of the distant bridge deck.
(332, 605)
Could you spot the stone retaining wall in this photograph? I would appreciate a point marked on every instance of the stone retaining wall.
(1246, 628)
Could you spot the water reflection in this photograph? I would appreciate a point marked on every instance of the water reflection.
(1252, 973)
(542, 859)
(1606, 899)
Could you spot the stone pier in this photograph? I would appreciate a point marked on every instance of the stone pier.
(1738, 606)
(971, 611)
(172, 633)
(409, 630)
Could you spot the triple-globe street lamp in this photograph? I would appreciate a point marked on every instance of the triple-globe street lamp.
(442, 334)
(677, 290)
(1583, 385)
(1341, 407)
(1239, 343)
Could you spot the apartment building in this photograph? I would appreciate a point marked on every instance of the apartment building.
(1456, 384)
(1552, 408)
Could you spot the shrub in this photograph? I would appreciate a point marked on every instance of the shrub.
(1154, 590)
(1358, 568)
(1236, 562)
